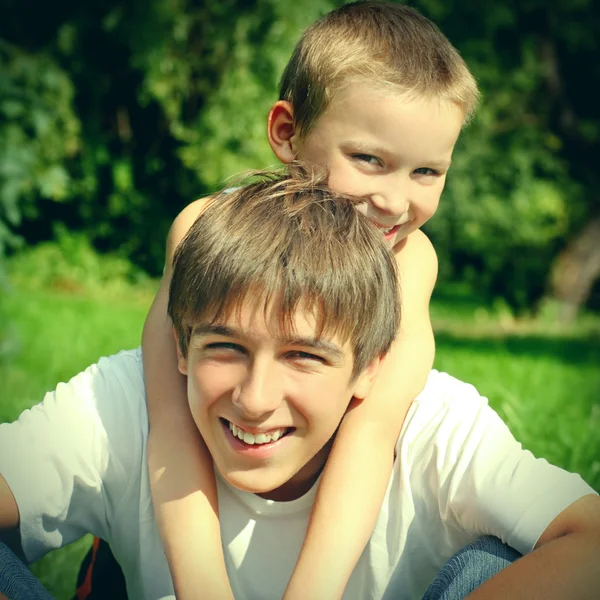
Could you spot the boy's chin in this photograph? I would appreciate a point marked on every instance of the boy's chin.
(270, 487)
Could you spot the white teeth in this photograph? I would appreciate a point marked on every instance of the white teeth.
(252, 439)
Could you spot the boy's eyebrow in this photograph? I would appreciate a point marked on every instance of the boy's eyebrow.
(439, 164)
(367, 148)
(215, 330)
(330, 348)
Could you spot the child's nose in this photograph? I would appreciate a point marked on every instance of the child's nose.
(393, 204)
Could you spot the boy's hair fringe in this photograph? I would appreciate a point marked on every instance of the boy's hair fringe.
(386, 44)
(289, 243)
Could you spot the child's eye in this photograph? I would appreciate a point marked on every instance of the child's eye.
(368, 159)
(427, 171)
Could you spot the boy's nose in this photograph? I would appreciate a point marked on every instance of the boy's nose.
(257, 395)
(392, 204)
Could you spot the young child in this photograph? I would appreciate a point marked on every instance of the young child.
(376, 94)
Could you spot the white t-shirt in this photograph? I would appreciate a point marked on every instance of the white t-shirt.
(76, 463)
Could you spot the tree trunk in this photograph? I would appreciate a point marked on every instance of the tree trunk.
(575, 271)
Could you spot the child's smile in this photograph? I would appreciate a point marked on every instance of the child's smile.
(395, 157)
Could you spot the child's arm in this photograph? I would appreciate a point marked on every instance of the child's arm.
(182, 479)
(358, 469)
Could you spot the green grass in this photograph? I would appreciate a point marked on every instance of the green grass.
(541, 377)
(544, 380)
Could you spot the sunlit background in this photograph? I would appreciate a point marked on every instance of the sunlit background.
(114, 115)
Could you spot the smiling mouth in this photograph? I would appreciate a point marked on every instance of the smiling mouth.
(257, 439)
(388, 230)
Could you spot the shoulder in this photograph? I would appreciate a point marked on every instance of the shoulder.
(80, 449)
(183, 221)
(107, 400)
(416, 244)
(104, 409)
(464, 458)
(448, 397)
(118, 395)
(417, 252)
(114, 382)
(448, 419)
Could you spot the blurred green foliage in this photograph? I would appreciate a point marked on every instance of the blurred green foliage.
(524, 179)
(39, 131)
(70, 264)
(116, 114)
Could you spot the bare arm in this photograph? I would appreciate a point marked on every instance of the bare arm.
(9, 512)
(565, 563)
(358, 469)
(181, 469)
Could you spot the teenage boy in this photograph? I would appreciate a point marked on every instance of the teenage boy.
(284, 300)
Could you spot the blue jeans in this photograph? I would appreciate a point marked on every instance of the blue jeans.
(466, 570)
(16, 581)
(469, 568)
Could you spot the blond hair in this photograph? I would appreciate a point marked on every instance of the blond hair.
(382, 43)
(289, 242)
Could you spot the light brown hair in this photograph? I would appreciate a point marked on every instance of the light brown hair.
(290, 242)
(383, 43)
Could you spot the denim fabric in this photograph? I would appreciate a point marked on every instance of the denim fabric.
(16, 581)
(466, 570)
(469, 568)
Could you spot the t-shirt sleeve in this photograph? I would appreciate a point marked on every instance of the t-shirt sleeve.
(486, 482)
(67, 459)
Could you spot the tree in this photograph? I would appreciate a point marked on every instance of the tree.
(170, 99)
(524, 181)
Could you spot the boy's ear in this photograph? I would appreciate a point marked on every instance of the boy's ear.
(281, 131)
(182, 363)
(364, 382)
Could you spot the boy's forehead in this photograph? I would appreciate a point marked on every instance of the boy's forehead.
(373, 94)
(360, 90)
(372, 115)
(260, 320)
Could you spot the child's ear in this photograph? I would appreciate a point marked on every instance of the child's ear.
(281, 131)
(182, 363)
(364, 382)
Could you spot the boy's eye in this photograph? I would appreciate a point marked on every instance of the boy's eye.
(426, 171)
(306, 356)
(224, 346)
(367, 158)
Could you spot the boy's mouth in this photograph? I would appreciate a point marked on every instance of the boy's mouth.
(259, 438)
(389, 232)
